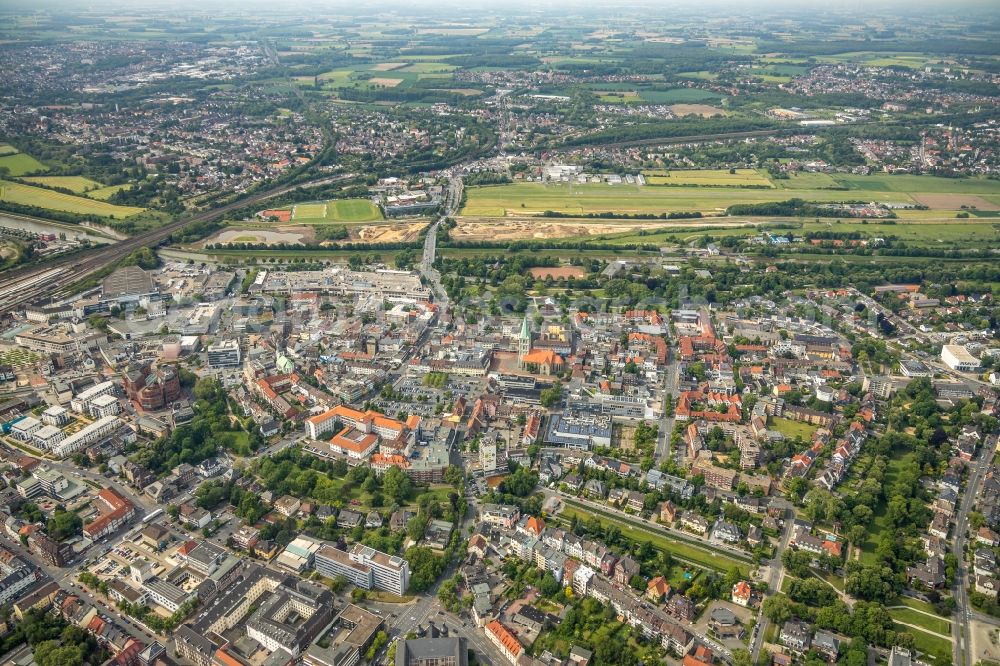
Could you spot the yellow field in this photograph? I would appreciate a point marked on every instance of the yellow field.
(27, 195)
(77, 184)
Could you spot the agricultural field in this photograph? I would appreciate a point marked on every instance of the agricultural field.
(703, 110)
(620, 93)
(580, 199)
(104, 193)
(77, 184)
(26, 195)
(400, 74)
(919, 184)
(807, 180)
(18, 164)
(527, 199)
(336, 210)
(708, 178)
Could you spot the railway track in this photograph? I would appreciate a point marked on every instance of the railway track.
(21, 286)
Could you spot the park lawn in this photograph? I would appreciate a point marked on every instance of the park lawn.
(680, 549)
(709, 177)
(880, 520)
(836, 581)
(238, 441)
(18, 164)
(440, 492)
(938, 625)
(26, 195)
(77, 184)
(914, 603)
(792, 429)
(936, 650)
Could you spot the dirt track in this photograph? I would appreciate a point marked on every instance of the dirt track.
(508, 229)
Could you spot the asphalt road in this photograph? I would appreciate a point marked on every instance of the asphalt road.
(961, 627)
(666, 423)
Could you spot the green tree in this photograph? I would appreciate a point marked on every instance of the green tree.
(396, 485)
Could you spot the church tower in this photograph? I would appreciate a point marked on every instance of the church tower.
(523, 343)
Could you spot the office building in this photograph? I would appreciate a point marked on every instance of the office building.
(224, 354)
(389, 572)
(957, 357)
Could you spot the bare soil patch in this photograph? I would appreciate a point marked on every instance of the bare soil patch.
(522, 229)
(954, 201)
(703, 110)
(290, 235)
(557, 272)
(386, 233)
(388, 83)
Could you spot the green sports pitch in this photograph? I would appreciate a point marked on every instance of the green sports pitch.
(336, 210)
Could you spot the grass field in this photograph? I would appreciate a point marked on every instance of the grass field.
(337, 210)
(880, 522)
(917, 604)
(680, 549)
(311, 211)
(18, 164)
(401, 74)
(806, 180)
(104, 193)
(936, 650)
(945, 194)
(708, 177)
(792, 429)
(572, 198)
(27, 195)
(77, 184)
(938, 625)
(7, 149)
(919, 184)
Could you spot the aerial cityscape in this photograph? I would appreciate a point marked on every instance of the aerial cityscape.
(426, 333)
